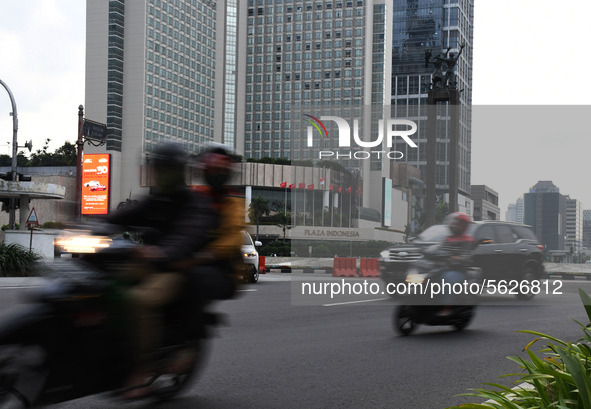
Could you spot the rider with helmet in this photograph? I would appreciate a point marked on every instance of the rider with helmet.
(181, 223)
(457, 248)
(221, 260)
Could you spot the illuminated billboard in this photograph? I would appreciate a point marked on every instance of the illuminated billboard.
(95, 183)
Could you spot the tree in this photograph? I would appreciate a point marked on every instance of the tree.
(258, 207)
(283, 220)
(441, 212)
(63, 156)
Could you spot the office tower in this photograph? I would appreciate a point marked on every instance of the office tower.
(545, 211)
(156, 70)
(574, 225)
(587, 229)
(515, 212)
(486, 203)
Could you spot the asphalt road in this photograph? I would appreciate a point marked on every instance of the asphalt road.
(278, 355)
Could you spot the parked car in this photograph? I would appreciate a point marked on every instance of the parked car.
(504, 251)
(250, 256)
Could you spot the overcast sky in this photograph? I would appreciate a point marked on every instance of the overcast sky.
(526, 52)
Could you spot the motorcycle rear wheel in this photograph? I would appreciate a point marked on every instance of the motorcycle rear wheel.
(168, 385)
(464, 320)
(402, 321)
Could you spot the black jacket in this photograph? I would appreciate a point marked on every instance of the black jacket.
(179, 224)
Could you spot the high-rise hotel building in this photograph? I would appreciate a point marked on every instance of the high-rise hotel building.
(159, 69)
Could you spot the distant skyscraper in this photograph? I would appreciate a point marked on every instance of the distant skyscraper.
(587, 229)
(545, 211)
(515, 212)
(156, 70)
(574, 225)
(486, 203)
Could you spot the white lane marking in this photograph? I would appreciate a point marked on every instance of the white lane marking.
(247, 291)
(354, 302)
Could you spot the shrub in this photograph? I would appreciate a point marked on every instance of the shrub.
(276, 247)
(560, 379)
(16, 260)
(53, 225)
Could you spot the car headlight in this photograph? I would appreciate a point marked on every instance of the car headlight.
(251, 254)
(384, 254)
(83, 243)
(415, 278)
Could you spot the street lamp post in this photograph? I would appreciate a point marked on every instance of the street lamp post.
(14, 153)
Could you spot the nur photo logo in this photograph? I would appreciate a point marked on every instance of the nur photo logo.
(388, 130)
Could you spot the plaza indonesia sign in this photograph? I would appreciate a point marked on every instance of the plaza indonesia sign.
(388, 130)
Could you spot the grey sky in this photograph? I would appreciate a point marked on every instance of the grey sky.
(525, 52)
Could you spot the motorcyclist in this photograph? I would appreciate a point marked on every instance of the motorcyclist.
(456, 250)
(213, 271)
(182, 222)
(224, 253)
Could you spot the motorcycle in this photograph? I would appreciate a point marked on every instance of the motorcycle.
(422, 309)
(71, 338)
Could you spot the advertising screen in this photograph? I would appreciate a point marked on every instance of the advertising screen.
(95, 183)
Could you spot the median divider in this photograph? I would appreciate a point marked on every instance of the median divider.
(369, 267)
(344, 267)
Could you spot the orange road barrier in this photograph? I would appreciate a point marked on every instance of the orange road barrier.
(262, 268)
(369, 267)
(344, 267)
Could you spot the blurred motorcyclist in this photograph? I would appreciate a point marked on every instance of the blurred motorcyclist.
(212, 271)
(182, 222)
(221, 260)
(457, 248)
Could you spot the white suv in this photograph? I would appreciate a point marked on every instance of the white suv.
(250, 256)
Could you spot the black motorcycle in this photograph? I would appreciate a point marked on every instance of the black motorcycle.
(71, 338)
(420, 308)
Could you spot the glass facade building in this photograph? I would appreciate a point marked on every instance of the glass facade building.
(433, 26)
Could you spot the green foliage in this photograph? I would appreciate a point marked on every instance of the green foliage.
(53, 225)
(63, 156)
(5, 226)
(283, 220)
(16, 261)
(558, 379)
(258, 208)
(276, 247)
(273, 161)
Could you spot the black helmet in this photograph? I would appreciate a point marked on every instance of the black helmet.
(216, 164)
(169, 155)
